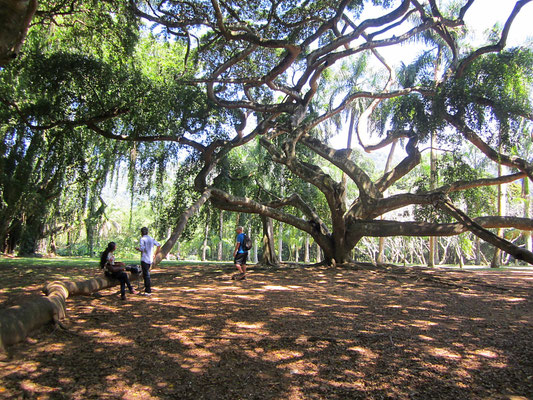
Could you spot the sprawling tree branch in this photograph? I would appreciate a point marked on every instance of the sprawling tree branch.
(156, 138)
(520, 254)
(225, 201)
(180, 226)
(403, 168)
(282, 108)
(464, 185)
(339, 159)
(382, 206)
(296, 201)
(387, 228)
(495, 47)
(109, 114)
(470, 135)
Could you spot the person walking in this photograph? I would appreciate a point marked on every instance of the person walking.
(115, 269)
(240, 255)
(146, 246)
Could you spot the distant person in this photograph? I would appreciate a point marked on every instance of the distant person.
(115, 269)
(240, 255)
(146, 246)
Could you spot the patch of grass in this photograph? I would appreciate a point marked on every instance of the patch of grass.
(40, 262)
(89, 262)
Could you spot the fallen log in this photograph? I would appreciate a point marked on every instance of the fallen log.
(18, 321)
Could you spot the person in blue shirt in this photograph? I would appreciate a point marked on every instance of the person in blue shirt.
(240, 255)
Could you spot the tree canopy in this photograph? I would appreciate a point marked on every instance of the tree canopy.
(139, 81)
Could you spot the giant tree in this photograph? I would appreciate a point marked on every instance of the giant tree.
(265, 61)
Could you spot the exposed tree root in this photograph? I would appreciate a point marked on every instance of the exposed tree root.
(18, 321)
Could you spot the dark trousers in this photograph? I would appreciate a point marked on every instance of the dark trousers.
(146, 277)
(122, 276)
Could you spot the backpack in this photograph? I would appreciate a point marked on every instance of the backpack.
(134, 269)
(247, 243)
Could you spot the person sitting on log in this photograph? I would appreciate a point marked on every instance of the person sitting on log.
(115, 269)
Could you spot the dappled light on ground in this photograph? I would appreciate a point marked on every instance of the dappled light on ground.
(287, 334)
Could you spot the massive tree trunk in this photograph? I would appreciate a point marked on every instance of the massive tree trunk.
(15, 19)
(269, 253)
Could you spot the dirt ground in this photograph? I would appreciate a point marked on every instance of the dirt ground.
(352, 332)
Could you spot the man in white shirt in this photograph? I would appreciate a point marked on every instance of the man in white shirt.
(146, 246)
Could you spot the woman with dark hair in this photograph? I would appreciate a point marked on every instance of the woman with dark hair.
(115, 269)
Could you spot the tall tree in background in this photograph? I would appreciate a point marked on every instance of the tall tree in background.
(83, 69)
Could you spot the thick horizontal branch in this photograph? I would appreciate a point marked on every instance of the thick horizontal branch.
(464, 185)
(157, 138)
(110, 114)
(382, 206)
(296, 201)
(226, 201)
(386, 228)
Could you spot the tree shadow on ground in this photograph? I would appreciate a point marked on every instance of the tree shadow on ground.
(288, 334)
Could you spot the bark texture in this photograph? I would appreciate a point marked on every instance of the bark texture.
(269, 253)
(18, 321)
(180, 226)
(15, 19)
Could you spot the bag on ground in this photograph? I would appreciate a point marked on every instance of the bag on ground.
(134, 269)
